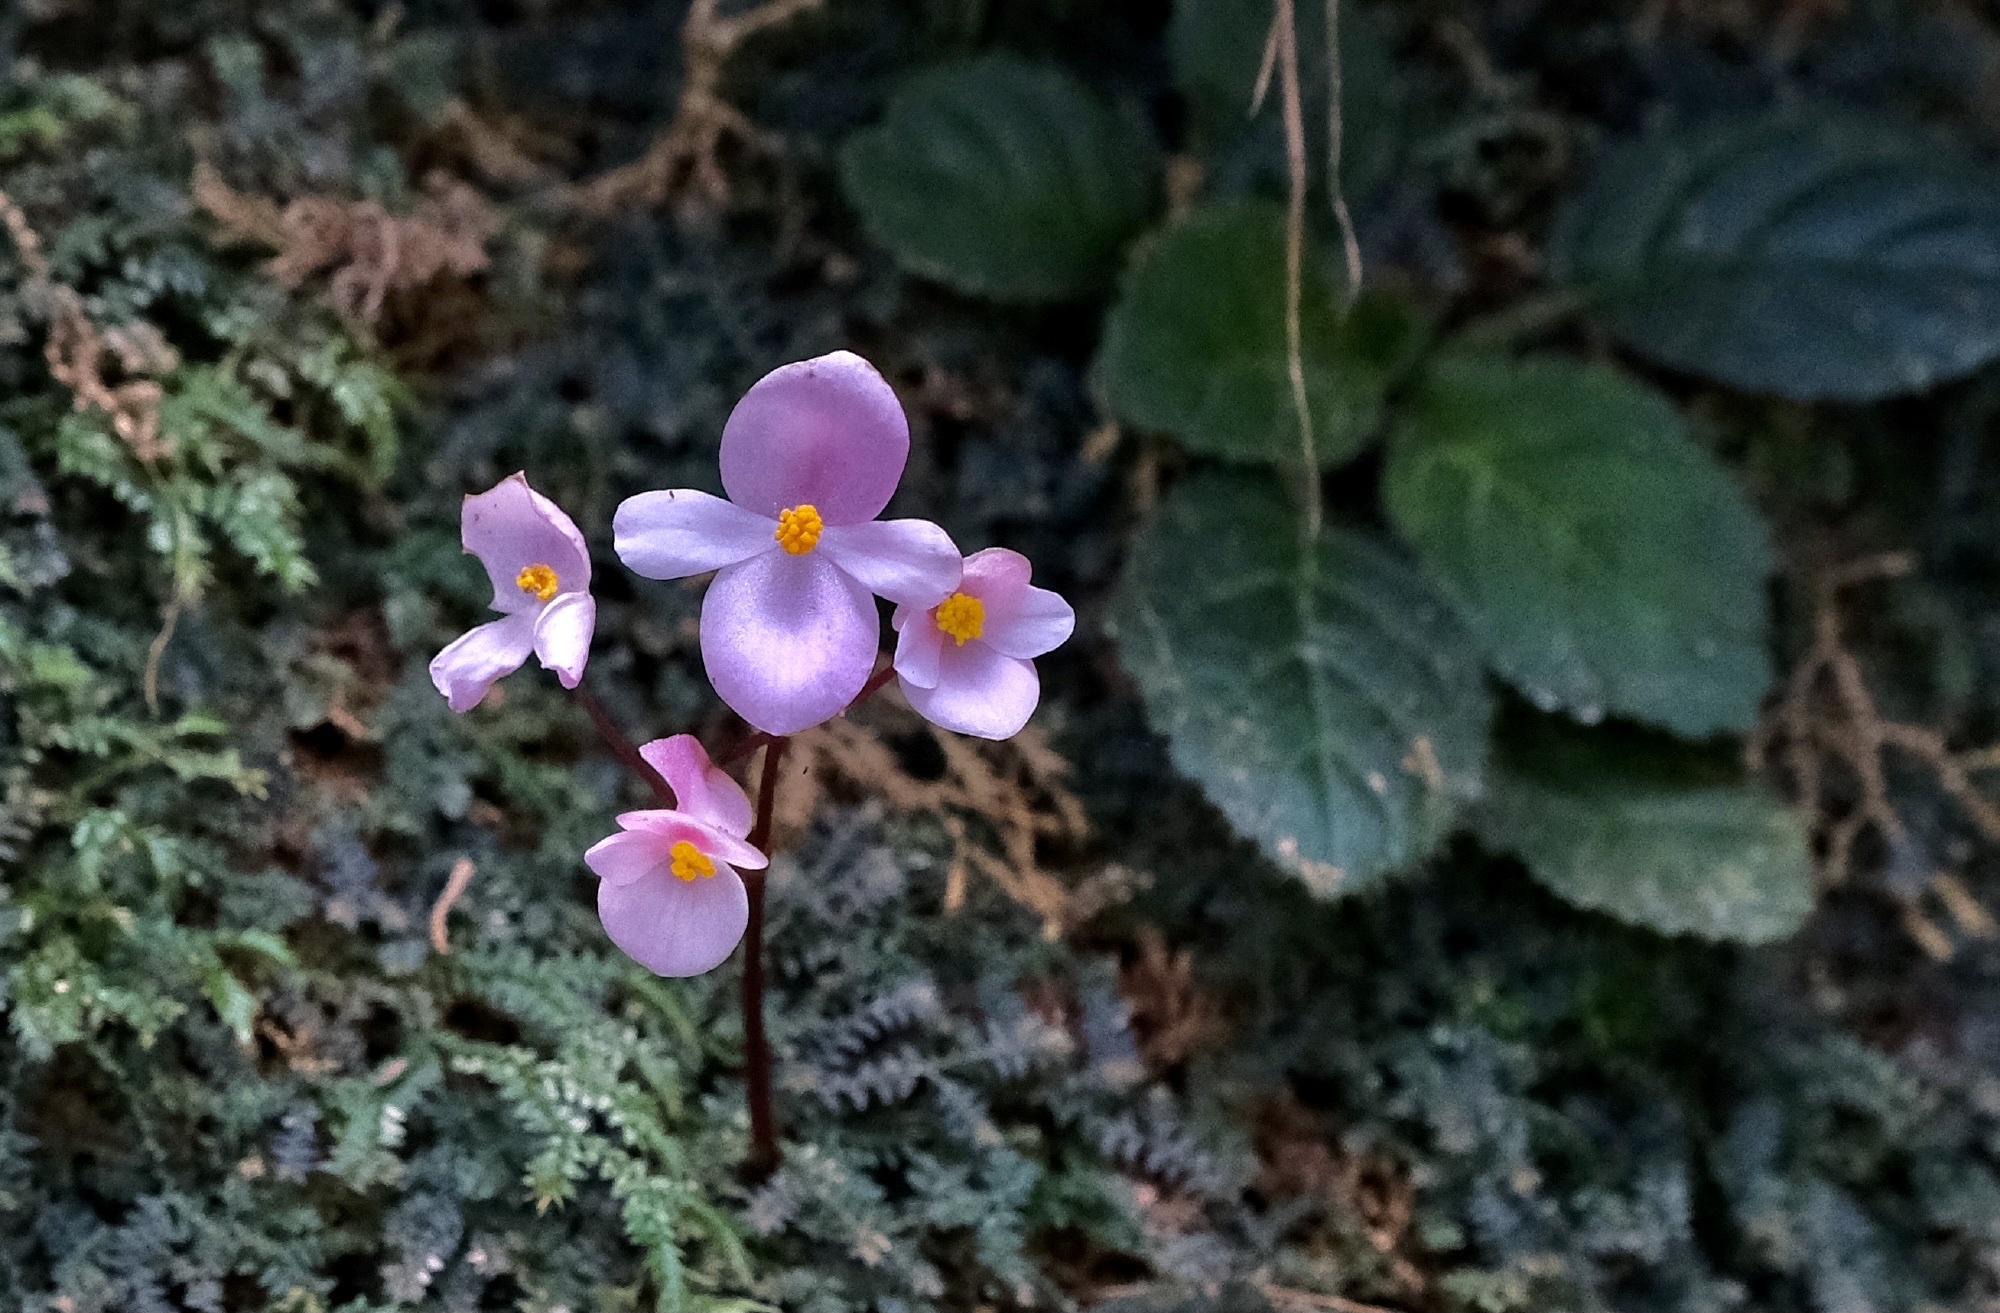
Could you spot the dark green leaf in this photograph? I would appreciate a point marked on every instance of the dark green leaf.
(1330, 705)
(1195, 346)
(1635, 834)
(1605, 561)
(1814, 256)
(1004, 179)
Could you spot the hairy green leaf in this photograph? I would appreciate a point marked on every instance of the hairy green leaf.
(1603, 558)
(1328, 702)
(1635, 834)
(1195, 345)
(1003, 178)
(1810, 255)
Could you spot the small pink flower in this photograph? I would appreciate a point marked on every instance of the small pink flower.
(964, 663)
(669, 895)
(810, 456)
(541, 582)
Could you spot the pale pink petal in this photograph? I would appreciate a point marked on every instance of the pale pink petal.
(562, 636)
(510, 527)
(465, 670)
(788, 641)
(671, 535)
(670, 827)
(996, 576)
(918, 641)
(676, 927)
(1038, 621)
(704, 790)
(628, 855)
(911, 562)
(979, 692)
(826, 432)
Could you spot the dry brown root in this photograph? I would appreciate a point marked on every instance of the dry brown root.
(1831, 746)
(683, 165)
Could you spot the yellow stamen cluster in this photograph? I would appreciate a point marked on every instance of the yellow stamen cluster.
(690, 861)
(961, 615)
(799, 528)
(538, 581)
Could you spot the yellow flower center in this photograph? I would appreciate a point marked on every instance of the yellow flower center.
(690, 861)
(799, 528)
(538, 581)
(962, 616)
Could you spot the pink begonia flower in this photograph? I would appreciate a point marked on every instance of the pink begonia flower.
(810, 456)
(964, 663)
(669, 895)
(541, 582)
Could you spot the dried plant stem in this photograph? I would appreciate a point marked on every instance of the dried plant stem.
(1291, 108)
(764, 1152)
(1350, 243)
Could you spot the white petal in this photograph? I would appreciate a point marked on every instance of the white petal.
(1039, 621)
(465, 670)
(562, 636)
(671, 535)
(917, 642)
(912, 562)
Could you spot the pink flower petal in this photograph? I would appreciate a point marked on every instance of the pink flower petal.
(676, 927)
(671, 535)
(1038, 621)
(912, 562)
(704, 790)
(826, 432)
(996, 576)
(918, 643)
(466, 669)
(562, 635)
(628, 855)
(670, 827)
(788, 641)
(510, 527)
(979, 692)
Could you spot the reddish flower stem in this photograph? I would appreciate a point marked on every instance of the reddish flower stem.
(876, 683)
(764, 1152)
(756, 739)
(621, 747)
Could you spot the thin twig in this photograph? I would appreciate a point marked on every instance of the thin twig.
(455, 886)
(765, 1155)
(1350, 244)
(1293, 112)
(1311, 1301)
(157, 650)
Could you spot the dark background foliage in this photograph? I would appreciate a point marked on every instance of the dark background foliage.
(1664, 981)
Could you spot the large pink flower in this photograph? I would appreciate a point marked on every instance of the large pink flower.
(964, 663)
(810, 456)
(669, 895)
(541, 582)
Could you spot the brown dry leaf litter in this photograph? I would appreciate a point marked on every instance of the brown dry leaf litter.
(1367, 1197)
(364, 253)
(684, 164)
(1173, 1016)
(1000, 804)
(1832, 746)
(80, 352)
